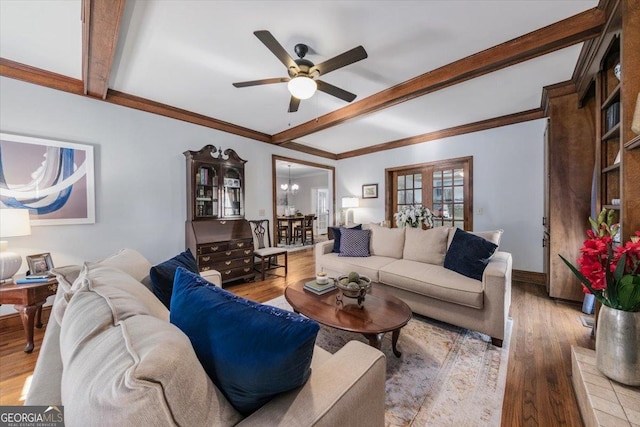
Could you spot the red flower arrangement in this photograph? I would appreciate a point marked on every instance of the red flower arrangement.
(612, 275)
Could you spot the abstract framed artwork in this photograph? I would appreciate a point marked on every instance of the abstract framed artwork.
(370, 191)
(53, 179)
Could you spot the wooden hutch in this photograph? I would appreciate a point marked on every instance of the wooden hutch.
(216, 230)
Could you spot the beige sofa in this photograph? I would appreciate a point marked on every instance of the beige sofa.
(409, 263)
(111, 357)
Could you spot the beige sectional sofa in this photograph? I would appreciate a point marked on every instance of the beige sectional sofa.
(111, 357)
(409, 263)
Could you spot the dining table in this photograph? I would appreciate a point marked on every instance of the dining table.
(289, 221)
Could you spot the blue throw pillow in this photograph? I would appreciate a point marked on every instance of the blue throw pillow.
(469, 254)
(355, 243)
(337, 234)
(162, 275)
(251, 351)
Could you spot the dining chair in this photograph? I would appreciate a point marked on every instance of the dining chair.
(266, 254)
(305, 230)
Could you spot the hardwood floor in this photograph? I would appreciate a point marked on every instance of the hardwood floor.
(538, 390)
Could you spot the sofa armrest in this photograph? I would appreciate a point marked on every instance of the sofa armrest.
(212, 276)
(497, 289)
(348, 389)
(322, 248)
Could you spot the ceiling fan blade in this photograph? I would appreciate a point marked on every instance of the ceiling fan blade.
(335, 91)
(276, 48)
(293, 104)
(349, 57)
(262, 82)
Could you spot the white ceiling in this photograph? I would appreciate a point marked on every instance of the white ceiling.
(188, 53)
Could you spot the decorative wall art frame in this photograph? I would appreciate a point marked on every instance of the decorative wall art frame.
(53, 179)
(370, 191)
(40, 263)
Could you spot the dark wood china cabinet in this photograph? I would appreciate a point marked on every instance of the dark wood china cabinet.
(216, 230)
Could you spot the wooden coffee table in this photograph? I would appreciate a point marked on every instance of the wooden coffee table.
(380, 313)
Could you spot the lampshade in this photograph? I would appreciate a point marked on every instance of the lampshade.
(13, 223)
(302, 87)
(350, 202)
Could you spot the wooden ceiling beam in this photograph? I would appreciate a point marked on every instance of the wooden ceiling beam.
(26, 73)
(143, 104)
(509, 119)
(567, 32)
(100, 28)
(38, 76)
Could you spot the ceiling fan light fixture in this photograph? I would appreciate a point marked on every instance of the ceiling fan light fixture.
(302, 87)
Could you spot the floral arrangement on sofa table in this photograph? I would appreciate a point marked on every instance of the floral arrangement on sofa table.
(414, 216)
(611, 274)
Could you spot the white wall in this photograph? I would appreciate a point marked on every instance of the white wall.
(507, 183)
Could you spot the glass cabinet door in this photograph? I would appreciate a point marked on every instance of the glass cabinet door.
(206, 191)
(232, 193)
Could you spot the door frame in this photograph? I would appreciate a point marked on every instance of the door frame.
(274, 189)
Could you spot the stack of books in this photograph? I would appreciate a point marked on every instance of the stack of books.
(317, 289)
(34, 278)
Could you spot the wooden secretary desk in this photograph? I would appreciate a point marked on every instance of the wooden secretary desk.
(216, 231)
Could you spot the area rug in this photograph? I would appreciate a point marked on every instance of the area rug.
(446, 376)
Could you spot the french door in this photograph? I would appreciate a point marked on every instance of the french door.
(445, 187)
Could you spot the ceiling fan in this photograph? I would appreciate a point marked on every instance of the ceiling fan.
(303, 74)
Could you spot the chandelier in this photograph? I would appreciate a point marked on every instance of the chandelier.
(292, 188)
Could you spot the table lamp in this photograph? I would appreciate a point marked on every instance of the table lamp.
(348, 203)
(13, 222)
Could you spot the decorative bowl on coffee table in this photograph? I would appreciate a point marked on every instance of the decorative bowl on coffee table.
(350, 289)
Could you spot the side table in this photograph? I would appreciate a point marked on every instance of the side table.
(28, 300)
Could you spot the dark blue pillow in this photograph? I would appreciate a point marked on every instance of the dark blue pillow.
(162, 275)
(251, 351)
(469, 254)
(337, 236)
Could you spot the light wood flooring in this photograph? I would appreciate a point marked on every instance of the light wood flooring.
(538, 390)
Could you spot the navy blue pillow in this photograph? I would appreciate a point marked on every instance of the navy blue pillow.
(337, 236)
(251, 351)
(469, 254)
(355, 243)
(162, 275)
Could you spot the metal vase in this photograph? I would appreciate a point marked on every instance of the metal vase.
(618, 345)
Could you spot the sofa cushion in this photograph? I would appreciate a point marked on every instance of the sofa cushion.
(126, 260)
(130, 261)
(387, 242)
(367, 266)
(162, 275)
(337, 234)
(251, 351)
(433, 281)
(125, 365)
(469, 254)
(355, 243)
(428, 246)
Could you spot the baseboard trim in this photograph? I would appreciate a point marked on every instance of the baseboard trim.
(12, 321)
(529, 277)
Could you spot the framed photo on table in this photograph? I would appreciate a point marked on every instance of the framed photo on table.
(40, 263)
(370, 191)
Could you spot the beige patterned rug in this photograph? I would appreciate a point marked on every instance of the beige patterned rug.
(446, 376)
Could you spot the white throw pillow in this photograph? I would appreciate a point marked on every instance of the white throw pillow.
(429, 246)
(387, 242)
